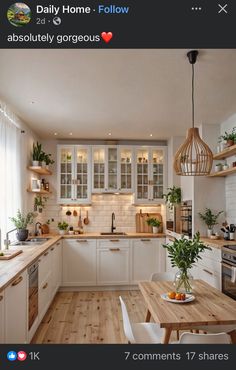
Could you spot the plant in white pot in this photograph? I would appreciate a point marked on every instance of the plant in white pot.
(36, 154)
(155, 224)
(48, 160)
(210, 219)
(218, 167)
(21, 222)
(172, 197)
(184, 253)
(62, 226)
(39, 203)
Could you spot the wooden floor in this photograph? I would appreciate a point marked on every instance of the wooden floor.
(89, 317)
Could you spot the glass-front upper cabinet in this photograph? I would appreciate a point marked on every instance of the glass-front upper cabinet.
(125, 178)
(74, 175)
(112, 169)
(150, 174)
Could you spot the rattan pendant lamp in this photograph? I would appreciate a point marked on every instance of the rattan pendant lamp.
(194, 157)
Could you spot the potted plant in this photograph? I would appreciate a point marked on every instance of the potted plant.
(225, 166)
(184, 253)
(36, 154)
(173, 197)
(229, 137)
(155, 224)
(218, 167)
(62, 226)
(39, 203)
(21, 222)
(48, 160)
(210, 219)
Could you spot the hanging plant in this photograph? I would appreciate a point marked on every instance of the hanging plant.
(39, 203)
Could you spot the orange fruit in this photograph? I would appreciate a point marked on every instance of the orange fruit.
(183, 297)
(178, 296)
(171, 295)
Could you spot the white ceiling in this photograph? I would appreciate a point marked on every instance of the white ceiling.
(130, 93)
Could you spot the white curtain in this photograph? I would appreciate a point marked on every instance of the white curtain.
(10, 170)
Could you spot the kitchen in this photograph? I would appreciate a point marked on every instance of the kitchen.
(92, 148)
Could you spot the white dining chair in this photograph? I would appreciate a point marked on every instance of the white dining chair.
(143, 333)
(162, 276)
(191, 338)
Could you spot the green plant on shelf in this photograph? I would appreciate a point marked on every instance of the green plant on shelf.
(210, 218)
(173, 196)
(153, 222)
(62, 225)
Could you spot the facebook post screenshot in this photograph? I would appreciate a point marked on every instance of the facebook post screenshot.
(118, 184)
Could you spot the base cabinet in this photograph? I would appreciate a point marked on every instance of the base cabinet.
(79, 262)
(147, 257)
(16, 314)
(113, 262)
(2, 318)
(56, 251)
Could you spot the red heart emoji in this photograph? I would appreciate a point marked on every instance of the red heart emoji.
(107, 36)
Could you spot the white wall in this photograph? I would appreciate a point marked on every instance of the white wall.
(230, 181)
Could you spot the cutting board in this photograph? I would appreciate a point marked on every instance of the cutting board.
(9, 254)
(141, 222)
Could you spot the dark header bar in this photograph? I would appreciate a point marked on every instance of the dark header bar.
(118, 24)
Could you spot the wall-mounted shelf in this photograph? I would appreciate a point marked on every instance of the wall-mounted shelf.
(229, 171)
(40, 170)
(45, 192)
(228, 152)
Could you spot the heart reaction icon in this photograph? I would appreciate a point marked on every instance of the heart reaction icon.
(107, 36)
(21, 356)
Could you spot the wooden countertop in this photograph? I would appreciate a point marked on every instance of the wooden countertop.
(9, 269)
(214, 243)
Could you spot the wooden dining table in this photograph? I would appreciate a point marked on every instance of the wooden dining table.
(210, 307)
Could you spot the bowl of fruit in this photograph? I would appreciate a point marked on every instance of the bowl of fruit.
(174, 297)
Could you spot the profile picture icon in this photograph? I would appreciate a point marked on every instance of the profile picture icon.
(19, 14)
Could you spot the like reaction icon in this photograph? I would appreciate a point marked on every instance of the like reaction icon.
(11, 356)
(21, 356)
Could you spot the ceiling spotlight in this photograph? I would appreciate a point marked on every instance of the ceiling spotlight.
(55, 133)
(70, 133)
(109, 133)
(151, 135)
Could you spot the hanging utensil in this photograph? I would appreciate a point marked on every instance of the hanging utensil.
(141, 214)
(75, 213)
(86, 219)
(68, 213)
(80, 219)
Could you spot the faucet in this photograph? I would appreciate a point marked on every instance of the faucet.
(112, 222)
(36, 231)
(7, 242)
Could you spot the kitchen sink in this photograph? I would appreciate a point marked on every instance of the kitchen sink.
(33, 241)
(113, 233)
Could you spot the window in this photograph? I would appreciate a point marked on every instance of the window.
(10, 173)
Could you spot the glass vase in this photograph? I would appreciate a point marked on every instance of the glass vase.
(183, 282)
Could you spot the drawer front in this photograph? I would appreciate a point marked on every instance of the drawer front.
(79, 242)
(214, 254)
(210, 277)
(113, 243)
(45, 295)
(210, 265)
(45, 265)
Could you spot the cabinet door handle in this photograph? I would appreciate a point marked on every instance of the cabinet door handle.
(58, 243)
(1, 298)
(17, 281)
(45, 286)
(52, 249)
(81, 241)
(45, 254)
(208, 272)
(114, 249)
(145, 240)
(114, 240)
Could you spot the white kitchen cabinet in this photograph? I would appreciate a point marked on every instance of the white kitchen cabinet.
(209, 267)
(151, 174)
(56, 251)
(112, 169)
(2, 317)
(147, 257)
(113, 262)
(79, 262)
(16, 310)
(45, 282)
(74, 174)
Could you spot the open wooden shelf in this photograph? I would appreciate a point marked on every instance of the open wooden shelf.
(40, 170)
(45, 192)
(228, 152)
(229, 171)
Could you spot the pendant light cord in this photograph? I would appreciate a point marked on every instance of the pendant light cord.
(193, 95)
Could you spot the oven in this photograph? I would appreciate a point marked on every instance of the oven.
(33, 294)
(229, 271)
(186, 218)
